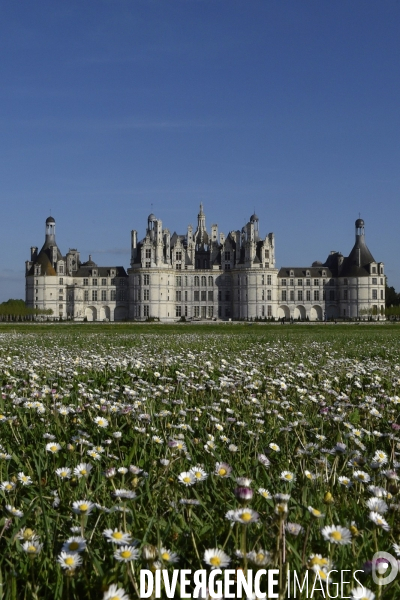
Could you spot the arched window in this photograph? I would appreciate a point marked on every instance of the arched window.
(210, 281)
(203, 281)
(197, 281)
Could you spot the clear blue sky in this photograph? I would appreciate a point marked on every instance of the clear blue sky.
(109, 107)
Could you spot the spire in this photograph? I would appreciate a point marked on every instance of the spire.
(50, 230)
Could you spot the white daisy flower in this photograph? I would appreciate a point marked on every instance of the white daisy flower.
(216, 558)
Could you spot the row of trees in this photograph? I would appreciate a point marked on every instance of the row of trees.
(16, 310)
(392, 301)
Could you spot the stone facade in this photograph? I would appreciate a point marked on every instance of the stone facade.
(72, 289)
(202, 275)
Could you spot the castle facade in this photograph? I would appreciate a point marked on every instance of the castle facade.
(204, 275)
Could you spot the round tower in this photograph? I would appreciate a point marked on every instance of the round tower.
(359, 228)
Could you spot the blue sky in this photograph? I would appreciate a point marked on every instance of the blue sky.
(112, 109)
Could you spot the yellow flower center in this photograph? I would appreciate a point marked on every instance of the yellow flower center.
(197, 474)
(117, 535)
(63, 473)
(165, 556)
(53, 448)
(73, 546)
(83, 471)
(126, 554)
(186, 479)
(288, 476)
(215, 561)
(9, 486)
(222, 471)
(31, 548)
(28, 534)
(336, 535)
(316, 512)
(69, 561)
(260, 556)
(83, 507)
(246, 516)
(116, 598)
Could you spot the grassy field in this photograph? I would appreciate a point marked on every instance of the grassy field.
(240, 446)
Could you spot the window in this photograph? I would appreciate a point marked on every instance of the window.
(323, 295)
(86, 296)
(345, 281)
(186, 311)
(227, 296)
(308, 281)
(94, 295)
(284, 295)
(178, 280)
(178, 297)
(219, 295)
(203, 312)
(292, 282)
(284, 282)
(381, 280)
(263, 311)
(299, 282)
(186, 280)
(86, 281)
(374, 269)
(178, 266)
(94, 281)
(146, 295)
(316, 295)
(374, 294)
(227, 255)
(269, 279)
(113, 281)
(196, 296)
(267, 254)
(227, 312)
(269, 310)
(227, 266)
(146, 310)
(61, 291)
(308, 295)
(146, 279)
(112, 296)
(103, 295)
(61, 268)
(262, 295)
(210, 296)
(210, 281)
(197, 281)
(316, 282)
(197, 311)
(345, 295)
(37, 281)
(210, 310)
(374, 281)
(292, 295)
(203, 295)
(186, 295)
(61, 282)
(60, 307)
(219, 311)
(300, 295)
(178, 255)
(262, 280)
(382, 295)
(204, 281)
(104, 281)
(148, 253)
(178, 311)
(331, 294)
(61, 297)
(148, 264)
(269, 297)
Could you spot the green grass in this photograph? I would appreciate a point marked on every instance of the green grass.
(157, 384)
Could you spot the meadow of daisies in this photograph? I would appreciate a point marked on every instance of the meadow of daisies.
(130, 447)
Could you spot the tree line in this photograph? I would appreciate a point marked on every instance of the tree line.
(16, 310)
